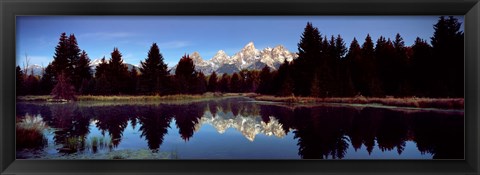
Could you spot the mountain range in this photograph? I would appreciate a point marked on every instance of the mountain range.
(248, 58)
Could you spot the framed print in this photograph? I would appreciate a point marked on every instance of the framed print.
(278, 87)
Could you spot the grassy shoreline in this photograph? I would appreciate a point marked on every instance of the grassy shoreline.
(416, 102)
(136, 97)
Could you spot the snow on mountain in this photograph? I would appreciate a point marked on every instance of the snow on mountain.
(200, 64)
(247, 58)
(220, 58)
(37, 70)
(249, 126)
(94, 63)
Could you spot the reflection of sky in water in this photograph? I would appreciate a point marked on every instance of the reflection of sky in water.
(208, 143)
(410, 152)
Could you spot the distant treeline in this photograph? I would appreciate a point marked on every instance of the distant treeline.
(324, 68)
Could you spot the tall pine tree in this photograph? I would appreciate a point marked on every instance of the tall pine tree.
(309, 53)
(82, 72)
(117, 73)
(384, 55)
(448, 51)
(354, 56)
(421, 68)
(60, 57)
(185, 74)
(153, 72)
(73, 57)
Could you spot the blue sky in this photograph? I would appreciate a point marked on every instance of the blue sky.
(37, 36)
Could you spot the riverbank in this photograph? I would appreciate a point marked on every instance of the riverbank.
(134, 98)
(416, 102)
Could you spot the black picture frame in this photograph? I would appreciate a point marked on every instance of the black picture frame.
(11, 8)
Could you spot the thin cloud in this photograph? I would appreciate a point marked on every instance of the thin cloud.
(174, 44)
(107, 35)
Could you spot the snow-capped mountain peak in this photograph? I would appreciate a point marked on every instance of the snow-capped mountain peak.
(197, 59)
(247, 58)
(249, 46)
(37, 70)
(220, 57)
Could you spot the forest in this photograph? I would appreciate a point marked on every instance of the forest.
(325, 67)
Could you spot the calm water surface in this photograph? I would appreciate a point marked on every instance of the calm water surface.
(237, 128)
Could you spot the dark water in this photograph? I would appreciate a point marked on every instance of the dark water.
(238, 128)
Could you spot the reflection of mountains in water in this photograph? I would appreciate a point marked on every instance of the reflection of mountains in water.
(249, 126)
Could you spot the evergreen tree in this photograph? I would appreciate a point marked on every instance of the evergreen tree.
(102, 85)
(133, 81)
(82, 72)
(101, 69)
(384, 55)
(343, 72)
(235, 83)
(347, 88)
(19, 81)
(32, 84)
(421, 65)
(264, 86)
(328, 69)
(315, 89)
(354, 55)
(224, 83)
(153, 72)
(200, 85)
(401, 69)
(369, 84)
(117, 73)
(60, 58)
(252, 81)
(309, 57)
(340, 48)
(243, 77)
(47, 81)
(284, 80)
(448, 51)
(73, 58)
(63, 89)
(185, 74)
(212, 82)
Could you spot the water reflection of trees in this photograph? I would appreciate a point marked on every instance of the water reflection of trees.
(187, 117)
(155, 121)
(322, 132)
(441, 136)
(114, 120)
(327, 132)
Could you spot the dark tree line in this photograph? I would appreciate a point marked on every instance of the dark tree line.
(325, 67)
